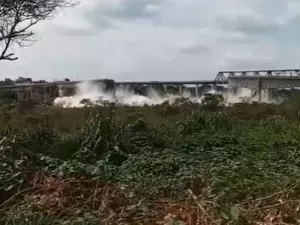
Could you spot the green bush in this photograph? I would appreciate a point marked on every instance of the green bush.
(238, 158)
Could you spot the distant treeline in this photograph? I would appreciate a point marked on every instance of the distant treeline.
(8, 81)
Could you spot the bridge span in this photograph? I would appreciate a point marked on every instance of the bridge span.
(256, 80)
(49, 84)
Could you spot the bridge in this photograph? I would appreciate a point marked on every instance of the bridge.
(59, 83)
(270, 78)
(257, 80)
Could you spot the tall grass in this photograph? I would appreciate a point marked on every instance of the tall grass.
(223, 156)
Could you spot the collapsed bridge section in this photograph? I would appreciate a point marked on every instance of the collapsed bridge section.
(49, 91)
(263, 80)
(256, 80)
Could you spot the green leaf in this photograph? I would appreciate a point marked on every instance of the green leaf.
(16, 174)
(235, 213)
(177, 222)
(225, 216)
(9, 187)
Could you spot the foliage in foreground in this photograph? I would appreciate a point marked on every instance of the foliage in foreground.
(222, 165)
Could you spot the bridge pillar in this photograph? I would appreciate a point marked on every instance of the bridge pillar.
(165, 89)
(45, 94)
(197, 91)
(269, 94)
(18, 94)
(234, 90)
(253, 93)
(259, 90)
(214, 87)
(180, 90)
(31, 93)
(60, 91)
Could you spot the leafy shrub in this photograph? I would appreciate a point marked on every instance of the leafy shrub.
(225, 159)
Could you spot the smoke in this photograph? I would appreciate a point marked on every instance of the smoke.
(123, 96)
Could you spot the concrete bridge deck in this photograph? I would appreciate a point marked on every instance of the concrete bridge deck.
(251, 82)
(266, 79)
(62, 83)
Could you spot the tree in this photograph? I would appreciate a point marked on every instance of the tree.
(24, 80)
(17, 17)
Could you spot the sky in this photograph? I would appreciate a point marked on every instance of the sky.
(161, 40)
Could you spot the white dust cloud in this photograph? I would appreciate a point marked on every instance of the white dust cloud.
(246, 95)
(123, 96)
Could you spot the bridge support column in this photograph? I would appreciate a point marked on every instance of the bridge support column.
(259, 90)
(165, 89)
(31, 93)
(180, 90)
(253, 93)
(18, 94)
(234, 90)
(197, 91)
(214, 87)
(259, 94)
(45, 94)
(60, 91)
(269, 94)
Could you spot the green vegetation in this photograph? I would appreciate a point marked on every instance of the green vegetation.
(152, 165)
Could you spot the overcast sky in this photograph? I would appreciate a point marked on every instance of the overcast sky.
(162, 40)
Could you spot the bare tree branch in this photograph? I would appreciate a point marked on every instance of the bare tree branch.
(17, 17)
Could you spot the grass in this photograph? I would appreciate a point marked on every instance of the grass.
(151, 165)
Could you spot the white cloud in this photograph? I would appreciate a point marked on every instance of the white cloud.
(161, 40)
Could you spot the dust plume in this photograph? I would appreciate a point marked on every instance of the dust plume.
(124, 96)
(246, 95)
